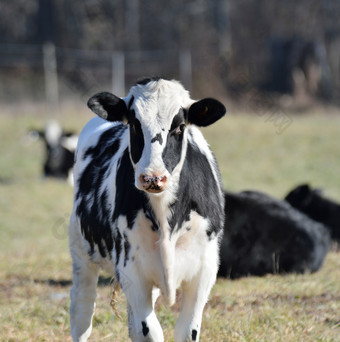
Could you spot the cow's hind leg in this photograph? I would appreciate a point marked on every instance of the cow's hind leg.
(195, 294)
(83, 295)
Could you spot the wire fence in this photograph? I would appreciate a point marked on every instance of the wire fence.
(51, 73)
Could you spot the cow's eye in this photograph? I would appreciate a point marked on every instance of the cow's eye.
(135, 127)
(132, 126)
(180, 129)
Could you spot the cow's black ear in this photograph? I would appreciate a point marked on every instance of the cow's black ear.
(300, 196)
(305, 194)
(108, 106)
(205, 112)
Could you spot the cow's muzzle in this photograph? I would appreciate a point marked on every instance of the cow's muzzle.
(153, 184)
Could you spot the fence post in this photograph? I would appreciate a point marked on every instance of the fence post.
(185, 68)
(51, 76)
(118, 73)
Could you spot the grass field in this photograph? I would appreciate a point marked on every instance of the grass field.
(253, 153)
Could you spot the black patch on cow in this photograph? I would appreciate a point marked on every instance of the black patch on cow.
(127, 247)
(117, 275)
(94, 209)
(158, 137)
(106, 147)
(194, 334)
(129, 200)
(173, 148)
(131, 102)
(145, 328)
(136, 137)
(178, 120)
(149, 214)
(198, 191)
(118, 245)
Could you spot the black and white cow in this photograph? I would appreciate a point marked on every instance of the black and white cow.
(318, 207)
(265, 235)
(148, 207)
(60, 147)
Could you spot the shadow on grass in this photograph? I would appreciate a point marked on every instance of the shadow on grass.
(102, 282)
(6, 180)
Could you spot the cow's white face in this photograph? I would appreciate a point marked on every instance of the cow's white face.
(157, 127)
(157, 112)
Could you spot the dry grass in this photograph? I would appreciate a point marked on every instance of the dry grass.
(35, 266)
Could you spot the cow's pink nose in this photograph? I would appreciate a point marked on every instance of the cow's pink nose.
(153, 183)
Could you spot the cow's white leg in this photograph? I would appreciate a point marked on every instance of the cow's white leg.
(131, 323)
(143, 323)
(195, 294)
(83, 295)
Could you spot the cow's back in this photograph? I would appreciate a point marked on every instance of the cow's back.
(98, 156)
(89, 138)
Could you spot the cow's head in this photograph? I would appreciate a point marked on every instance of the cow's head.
(157, 112)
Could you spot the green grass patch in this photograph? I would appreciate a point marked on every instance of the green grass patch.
(35, 265)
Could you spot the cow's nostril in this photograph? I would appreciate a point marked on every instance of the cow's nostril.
(154, 183)
(148, 179)
(159, 179)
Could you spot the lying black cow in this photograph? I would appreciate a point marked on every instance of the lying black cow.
(264, 235)
(312, 203)
(60, 147)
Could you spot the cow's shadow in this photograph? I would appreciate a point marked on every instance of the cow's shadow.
(102, 281)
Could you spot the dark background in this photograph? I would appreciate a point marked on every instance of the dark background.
(282, 51)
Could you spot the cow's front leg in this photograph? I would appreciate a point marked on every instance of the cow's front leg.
(143, 323)
(195, 294)
(131, 324)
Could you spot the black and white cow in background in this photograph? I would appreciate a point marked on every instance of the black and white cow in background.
(312, 202)
(265, 235)
(60, 147)
(148, 207)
